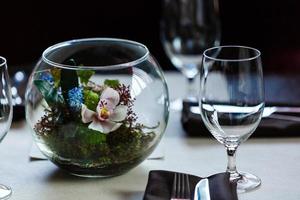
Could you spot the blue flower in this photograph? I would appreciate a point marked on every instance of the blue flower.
(47, 77)
(75, 98)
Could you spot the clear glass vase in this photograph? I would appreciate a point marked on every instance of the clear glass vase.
(97, 107)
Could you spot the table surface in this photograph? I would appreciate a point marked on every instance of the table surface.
(274, 160)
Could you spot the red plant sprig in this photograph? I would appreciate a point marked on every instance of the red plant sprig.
(127, 100)
(125, 96)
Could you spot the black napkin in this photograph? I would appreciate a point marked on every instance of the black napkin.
(160, 183)
(193, 125)
(280, 90)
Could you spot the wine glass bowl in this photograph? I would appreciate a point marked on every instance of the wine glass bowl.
(85, 103)
(6, 112)
(188, 27)
(232, 101)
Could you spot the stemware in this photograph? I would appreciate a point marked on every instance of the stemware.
(232, 101)
(5, 114)
(188, 27)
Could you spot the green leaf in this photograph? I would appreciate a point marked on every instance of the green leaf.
(85, 75)
(49, 92)
(112, 83)
(68, 81)
(91, 99)
(56, 73)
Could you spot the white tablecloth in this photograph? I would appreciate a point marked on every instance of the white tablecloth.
(275, 161)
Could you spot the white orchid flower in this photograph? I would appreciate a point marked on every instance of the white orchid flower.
(108, 115)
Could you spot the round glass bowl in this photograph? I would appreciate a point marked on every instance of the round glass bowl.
(97, 107)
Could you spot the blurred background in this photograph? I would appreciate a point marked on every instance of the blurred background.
(28, 27)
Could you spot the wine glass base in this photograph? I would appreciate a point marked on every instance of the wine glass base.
(247, 182)
(5, 192)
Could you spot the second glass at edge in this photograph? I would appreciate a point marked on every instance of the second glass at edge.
(232, 101)
(6, 113)
(187, 29)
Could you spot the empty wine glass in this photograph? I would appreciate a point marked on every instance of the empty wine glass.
(232, 101)
(5, 114)
(188, 27)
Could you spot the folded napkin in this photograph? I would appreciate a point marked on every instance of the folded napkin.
(268, 127)
(277, 93)
(160, 183)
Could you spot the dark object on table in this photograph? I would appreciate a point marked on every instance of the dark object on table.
(193, 125)
(277, 93)
(18, 112)
(159, 186)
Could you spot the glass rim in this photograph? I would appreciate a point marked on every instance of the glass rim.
(96, 67)
(258, 53)
(2, 61)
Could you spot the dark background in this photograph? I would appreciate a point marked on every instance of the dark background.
(28, 27)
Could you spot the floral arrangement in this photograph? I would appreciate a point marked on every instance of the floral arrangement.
(91, 125)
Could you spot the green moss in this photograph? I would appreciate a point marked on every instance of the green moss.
(75, 141)
(71, 141)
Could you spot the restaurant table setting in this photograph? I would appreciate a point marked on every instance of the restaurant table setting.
(158, 178)
(273, 159)
(100, 119)
(110, 132)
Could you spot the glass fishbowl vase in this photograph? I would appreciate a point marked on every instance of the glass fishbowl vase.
(97, 107)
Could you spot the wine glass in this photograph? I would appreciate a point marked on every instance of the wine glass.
(232, 101)
(188, 27)
(5, 114)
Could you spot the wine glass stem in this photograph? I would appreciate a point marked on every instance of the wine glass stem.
(231, 165)
(191, 91)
